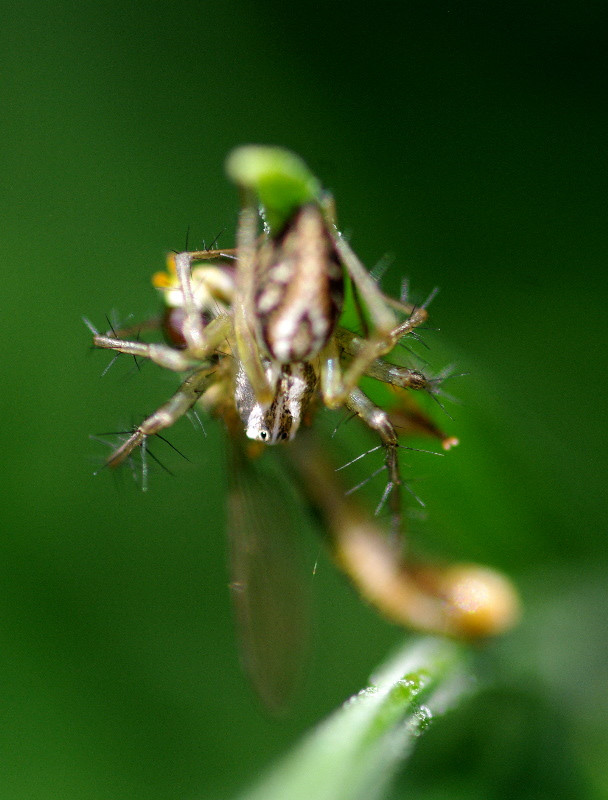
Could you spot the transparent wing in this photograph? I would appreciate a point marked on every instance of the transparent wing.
(270, 585)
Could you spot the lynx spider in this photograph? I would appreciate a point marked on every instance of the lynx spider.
(261, 339)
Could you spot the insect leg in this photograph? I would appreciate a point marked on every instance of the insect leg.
(464, 600)
(410, 420)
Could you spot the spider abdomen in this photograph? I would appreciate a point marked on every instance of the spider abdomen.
(301, 288)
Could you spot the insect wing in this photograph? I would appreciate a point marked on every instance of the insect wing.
(270, 589)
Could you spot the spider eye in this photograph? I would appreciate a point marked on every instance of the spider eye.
(263, 435)
(283, 435)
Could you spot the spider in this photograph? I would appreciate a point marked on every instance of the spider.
(256, 329)
(260, 336)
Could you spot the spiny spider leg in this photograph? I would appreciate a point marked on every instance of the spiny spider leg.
(403, 377)
(382, 317)
(209, 255)
(378, 420)
(386, 332)
(377, 346)
(129, 331)
(201, 340)
(165, 416)
(382, 370)
(168, 357)
(193, 329)
(160, 354)
(244, 305)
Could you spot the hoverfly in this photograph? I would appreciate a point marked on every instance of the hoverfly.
(257, 332)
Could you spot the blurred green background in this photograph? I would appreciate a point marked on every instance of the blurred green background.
(467, 139)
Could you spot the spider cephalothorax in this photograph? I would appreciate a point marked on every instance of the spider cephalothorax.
(295, 386)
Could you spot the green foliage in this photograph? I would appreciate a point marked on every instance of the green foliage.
(354, 754)
(280, 179)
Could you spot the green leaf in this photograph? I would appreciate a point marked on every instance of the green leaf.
(356, 752)
(279, 178)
